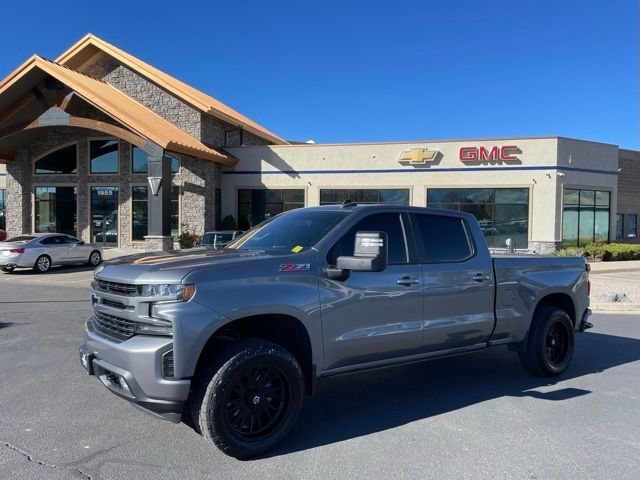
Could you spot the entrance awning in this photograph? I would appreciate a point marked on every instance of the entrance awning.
(22, 87)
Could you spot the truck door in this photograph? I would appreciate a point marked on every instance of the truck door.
(458, 283)
(373, 316)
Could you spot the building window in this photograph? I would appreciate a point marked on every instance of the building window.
(398, 196)
(619, 226)
(631, 224)
(61, 161)
(140, 212)
(256, 205)
(55, 210)
(103, 155)
(501, 212)
(3, 213)
(140, 159)
(585, 217)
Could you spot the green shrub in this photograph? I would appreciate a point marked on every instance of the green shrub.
(571, 252)
(612, 252)
(187, 239)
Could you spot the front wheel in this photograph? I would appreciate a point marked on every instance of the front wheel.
(249, 398)
(549, 348)
(95, 258)
(43, 264)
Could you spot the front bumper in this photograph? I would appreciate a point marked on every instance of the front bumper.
(584, 323)
(132, 369)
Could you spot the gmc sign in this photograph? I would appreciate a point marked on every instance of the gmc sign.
(493, 154)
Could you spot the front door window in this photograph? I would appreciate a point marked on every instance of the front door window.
(104, 215)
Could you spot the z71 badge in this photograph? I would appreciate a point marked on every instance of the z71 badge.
(295, 267)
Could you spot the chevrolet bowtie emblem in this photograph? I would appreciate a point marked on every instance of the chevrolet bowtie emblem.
(418, 156)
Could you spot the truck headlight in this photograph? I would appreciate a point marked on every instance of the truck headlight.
(156, 328)
(172, 291)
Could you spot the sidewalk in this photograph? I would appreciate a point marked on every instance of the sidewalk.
(610, 267)
(111, 252)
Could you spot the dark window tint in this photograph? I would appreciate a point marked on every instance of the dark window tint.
(104, 156)
(70, 240)
(444, 238)
(380, 222)
(63, 160)
(58, 240)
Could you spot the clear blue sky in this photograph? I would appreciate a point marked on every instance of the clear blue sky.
(339, 71)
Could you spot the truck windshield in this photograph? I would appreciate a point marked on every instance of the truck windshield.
(291, 232)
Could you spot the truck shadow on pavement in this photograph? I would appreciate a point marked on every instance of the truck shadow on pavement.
(354, 405)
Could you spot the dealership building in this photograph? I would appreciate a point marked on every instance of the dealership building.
(100, 145)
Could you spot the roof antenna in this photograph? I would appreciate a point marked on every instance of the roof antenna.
(347, 203)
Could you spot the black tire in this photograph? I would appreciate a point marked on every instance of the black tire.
(95, 258)
(43, 264)
(7, 269)
(250, 382)
(550, 345)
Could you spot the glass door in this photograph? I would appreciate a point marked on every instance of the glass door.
(104, 215)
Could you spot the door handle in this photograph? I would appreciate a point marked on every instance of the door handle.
(407, 281)
(480, 277)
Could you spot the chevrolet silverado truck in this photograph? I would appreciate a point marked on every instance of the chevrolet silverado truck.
(236, 337)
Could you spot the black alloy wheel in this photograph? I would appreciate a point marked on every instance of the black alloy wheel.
(257, 402)
(247, 396)
(548, 349)
(557, 344)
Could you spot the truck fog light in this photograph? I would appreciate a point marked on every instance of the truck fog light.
(154, 329)
(123, 383)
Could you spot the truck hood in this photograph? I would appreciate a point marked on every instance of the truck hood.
(169, 267)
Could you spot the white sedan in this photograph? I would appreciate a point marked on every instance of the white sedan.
(41, 251)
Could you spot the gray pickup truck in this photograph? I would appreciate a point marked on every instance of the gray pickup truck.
(236, 337)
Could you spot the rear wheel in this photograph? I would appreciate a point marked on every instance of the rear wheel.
(95, 258)
(248, 399)
(8, 269)
(549, 348)
(43, 264)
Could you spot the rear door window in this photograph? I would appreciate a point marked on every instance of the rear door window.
(380, 222)
(443, 239)
(57, 240)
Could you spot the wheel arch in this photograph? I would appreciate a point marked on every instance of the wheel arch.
(283, 329)
(561, 300)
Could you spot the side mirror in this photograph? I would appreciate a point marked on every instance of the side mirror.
(370, 254)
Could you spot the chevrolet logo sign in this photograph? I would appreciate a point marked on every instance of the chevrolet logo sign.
(418, 156)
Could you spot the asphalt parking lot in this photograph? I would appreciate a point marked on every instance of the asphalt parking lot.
(473, 416)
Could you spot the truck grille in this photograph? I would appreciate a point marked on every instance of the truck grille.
(114, 287)
(115, 327)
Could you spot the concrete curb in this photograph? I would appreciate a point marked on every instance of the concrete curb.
(615, 307)
(615, 270)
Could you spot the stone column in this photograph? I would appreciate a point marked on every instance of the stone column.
(159, 237)
(18, 200)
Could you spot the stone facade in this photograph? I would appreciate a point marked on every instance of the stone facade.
(628, 197)
(147, 93)
(199, 178)
(22, 182)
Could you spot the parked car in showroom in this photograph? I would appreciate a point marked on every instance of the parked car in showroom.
(235, 337)
(41, 251)
(219, 239)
